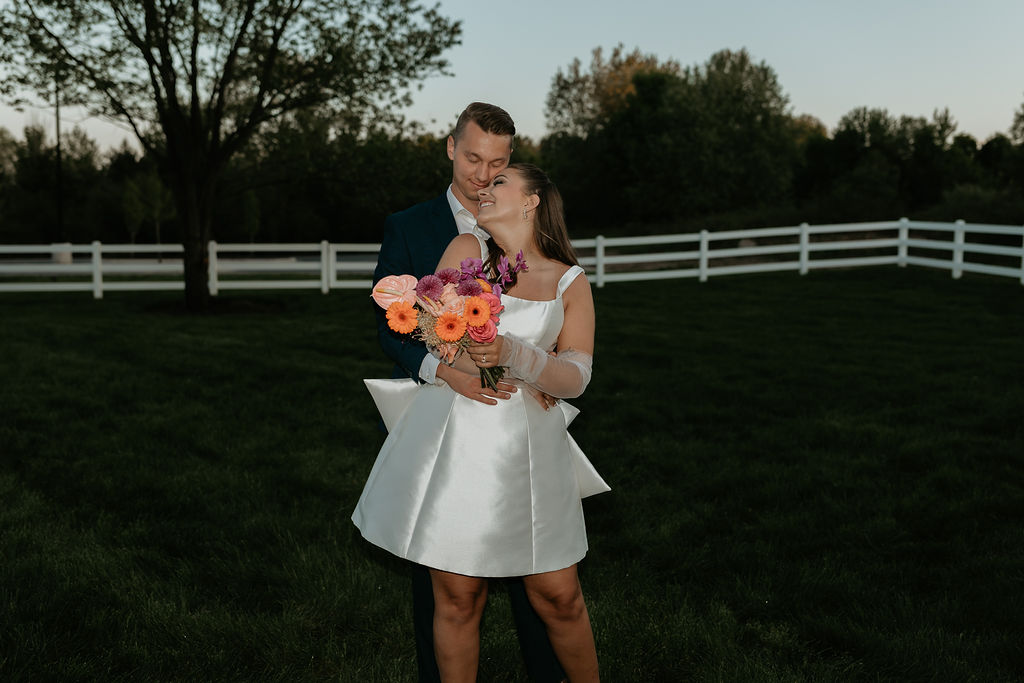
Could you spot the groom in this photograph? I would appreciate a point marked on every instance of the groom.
(413, 242)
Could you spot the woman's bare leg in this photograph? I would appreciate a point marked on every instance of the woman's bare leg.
(458, 605)
(558, 599)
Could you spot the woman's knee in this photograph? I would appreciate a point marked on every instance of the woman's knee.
(562, 601)
(461, 601)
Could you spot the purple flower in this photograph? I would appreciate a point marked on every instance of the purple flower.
(429, 287)
(469, 288)
(506, 270)
(503, 265)
(520, 262)
(472, 267)
(449, 276)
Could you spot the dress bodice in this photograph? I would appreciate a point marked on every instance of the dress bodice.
(538, 322)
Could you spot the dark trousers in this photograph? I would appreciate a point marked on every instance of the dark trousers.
(541, 663)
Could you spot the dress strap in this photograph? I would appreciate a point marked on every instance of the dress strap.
(483, 242)
(567, 278)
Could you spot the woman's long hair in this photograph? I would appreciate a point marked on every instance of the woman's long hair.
(549, 230)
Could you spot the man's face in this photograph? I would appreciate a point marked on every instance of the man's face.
(476, 158)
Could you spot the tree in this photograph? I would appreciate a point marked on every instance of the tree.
(713, 137)
(580, 102)
(927, 173)
(658, 144)
(806, 128)
(1017, 127)
(30, 213)
(196, 80)
(8, 154)
(750, 140)
(314, 185)
(146, 200)
(864, 128)
(8, 167)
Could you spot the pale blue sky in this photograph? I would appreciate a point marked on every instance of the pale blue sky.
(907, 56)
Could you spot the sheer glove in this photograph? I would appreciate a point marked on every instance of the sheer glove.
(563, 376)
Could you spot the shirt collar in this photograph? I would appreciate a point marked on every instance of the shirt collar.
(465, 221)
(456, 205)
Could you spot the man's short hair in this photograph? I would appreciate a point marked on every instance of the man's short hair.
(491, 119)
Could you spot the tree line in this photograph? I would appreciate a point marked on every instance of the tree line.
(639, 141)
(637, 145)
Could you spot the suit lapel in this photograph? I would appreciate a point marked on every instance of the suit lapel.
(444, 221)
(440, 229)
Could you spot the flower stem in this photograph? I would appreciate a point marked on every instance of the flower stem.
(489, 377)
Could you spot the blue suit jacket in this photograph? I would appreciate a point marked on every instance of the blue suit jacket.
(413, 243)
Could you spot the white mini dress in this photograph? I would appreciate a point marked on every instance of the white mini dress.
(476, 489)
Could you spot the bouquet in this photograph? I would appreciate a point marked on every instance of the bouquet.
(450, 308)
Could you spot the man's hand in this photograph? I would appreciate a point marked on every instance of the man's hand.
(469, 386)
(546, 401)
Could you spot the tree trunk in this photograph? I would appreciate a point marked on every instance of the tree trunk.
(193, 167)
(156, 230)
(194, 198)
(197, 285)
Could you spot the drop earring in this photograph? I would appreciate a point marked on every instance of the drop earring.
(524, 213)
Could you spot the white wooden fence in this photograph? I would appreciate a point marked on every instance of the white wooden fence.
(958, 247)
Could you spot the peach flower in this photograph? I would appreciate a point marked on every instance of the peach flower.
(392, 288)
(483, 334)
(495, 304)
(449, 352)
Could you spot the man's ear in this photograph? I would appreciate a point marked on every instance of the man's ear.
(451, 148)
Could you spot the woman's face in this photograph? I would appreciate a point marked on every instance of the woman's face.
(504, 199)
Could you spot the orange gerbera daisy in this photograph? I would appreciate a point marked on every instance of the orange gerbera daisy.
(484, 284)
(477, 311)
(450, 327)
(402, 317)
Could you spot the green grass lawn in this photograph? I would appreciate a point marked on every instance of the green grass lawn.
(814, 478)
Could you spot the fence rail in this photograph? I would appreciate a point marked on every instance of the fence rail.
(991, 249)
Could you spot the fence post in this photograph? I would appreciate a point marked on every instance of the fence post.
(599, 257)
(901, 253)
(332, 265)
(805, 248)
(60, 255)
(97, 270)
(325, 257)
(212, 267)
(958, 250)
(703, 263)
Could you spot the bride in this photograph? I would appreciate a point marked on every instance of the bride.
(475, 491)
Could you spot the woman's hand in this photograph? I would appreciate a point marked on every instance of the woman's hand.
(486, 355)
